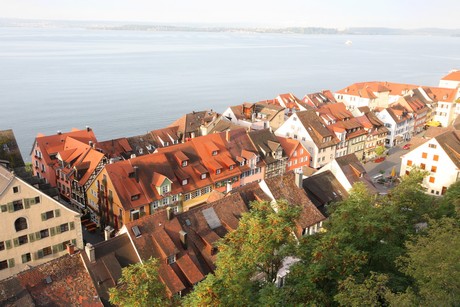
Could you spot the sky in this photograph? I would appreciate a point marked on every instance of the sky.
(306, 13)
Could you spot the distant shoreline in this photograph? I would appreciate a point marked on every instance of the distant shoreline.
(152, 27)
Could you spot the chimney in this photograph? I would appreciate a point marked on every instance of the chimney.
(59, 132)
(90, 252)
(70, 248)
(91, 144)
(227, 136)
(299, 179)
(108, 232)
(88, 128)
(169, 213)
(136, 173)
(183, 238)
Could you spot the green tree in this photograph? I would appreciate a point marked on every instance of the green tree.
(379, 150)
(139, 286)
(373, 291)
(433, 262)
(249, 258)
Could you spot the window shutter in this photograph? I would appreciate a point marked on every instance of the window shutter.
(16, 242)
(26, 203)
(57, 213)
(32, 201)
(38, 235)
(35, 256)
(40, 254)
(52, 231)
(58, 229)
(8, 244)
(24, 258)
(4, 208)
(31, 237)
(60, 247)
(55, 249)
(43, 216)
(11, 263)
(74, 241)
(10, 207)
(72, 225)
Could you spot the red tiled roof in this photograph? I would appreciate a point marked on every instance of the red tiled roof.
(452, 76)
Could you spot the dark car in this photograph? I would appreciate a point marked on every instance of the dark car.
(407, 146)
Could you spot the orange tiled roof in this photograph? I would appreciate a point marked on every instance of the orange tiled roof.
(452, 76)
(440, 93)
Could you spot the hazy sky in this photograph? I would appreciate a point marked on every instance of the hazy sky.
(323, 13)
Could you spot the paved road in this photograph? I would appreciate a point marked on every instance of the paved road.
(392, 160)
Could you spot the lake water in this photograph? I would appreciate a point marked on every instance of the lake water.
(124, 83)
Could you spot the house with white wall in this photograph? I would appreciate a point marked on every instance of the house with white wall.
(309, 129)
(399, 123)
(440, 157)
(451, 80)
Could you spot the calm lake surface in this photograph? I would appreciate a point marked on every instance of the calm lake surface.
(124, 83)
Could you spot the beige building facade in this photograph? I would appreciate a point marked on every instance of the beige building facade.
(35, 227)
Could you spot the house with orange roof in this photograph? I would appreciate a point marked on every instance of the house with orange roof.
(115, 149)
(297, 154)
(45, 149)
(195, 124)
(448, 105)
(256, 116)
(417, 108)
(399, 122)
(372, 94)
(376, 133)
(310, 130)
(319, 99)
(451, 80)
(290, 102)
(355, 136)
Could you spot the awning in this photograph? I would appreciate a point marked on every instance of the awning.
(433, 123)
(398, 138)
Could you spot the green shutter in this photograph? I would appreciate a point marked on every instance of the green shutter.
(32, 201)
(10, 207)
(43, 216)
(52, 231)
(55, 249)
(72, 225)
(38, 235)
(4, 208)
(60, 247)
(58, 229)
(16, 242)
(74, 242)
(11, 263)
(31, 237)
(35, 256)
(24, 258)
(8, 244)
(40, 254)
(26, 203)
(57, 213)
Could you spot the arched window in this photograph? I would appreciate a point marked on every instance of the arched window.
(20, 224)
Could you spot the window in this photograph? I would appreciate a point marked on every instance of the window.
(409, 163)
(214, 153)
(47, 251)
(203, 176)
(184, 163)
(431, 180)
(3, 265)
(64, 227)
(231, 167)
(44, 233)
(165, 201)
(2, 245)
(17, 205)
(174, 198)
(26, 258)
(433, 169)
(47, 215)
(218, 171)
(184, 182)
(171, 259)
(165, 189)
(422, 165)
(435, 157)
(424, 155)
(16, 189)
(432, 146)
(20, 224)
(37, 199)
(154, 205)
(23, 240)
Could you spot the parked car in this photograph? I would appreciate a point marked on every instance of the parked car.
(407, 146)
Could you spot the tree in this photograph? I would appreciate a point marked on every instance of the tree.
(139, 285)
(379, 150)
(432, 260)
(249, 258)
(373, 291)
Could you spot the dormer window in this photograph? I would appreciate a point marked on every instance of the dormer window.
(203, 176)
(242, 162)
(231, 167)
(214, 153)
(135, 197)
(184, 181)
(218, 171)
(171, 259)
(184, 163)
